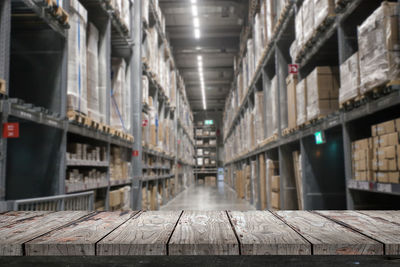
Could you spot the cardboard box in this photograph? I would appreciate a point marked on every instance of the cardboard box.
(199, 142)
(398, 156)
(115, 198)
(386, 127)
(384, 165)
(322, 92)
(363, 165)
(301, 102)
(364, 175)
(291, 83)
(387, 177)
(388, 152)
(275, 183)
(275, 200)
(362, 144)
(361, 154)
(391, 139)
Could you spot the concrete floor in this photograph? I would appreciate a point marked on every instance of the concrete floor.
(201, 197)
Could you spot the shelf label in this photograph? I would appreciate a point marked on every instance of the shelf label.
(11, 130)
(135, 153)
(363, 185)
(387, 188)
(293, 68)
(352, 184)
(145, 123)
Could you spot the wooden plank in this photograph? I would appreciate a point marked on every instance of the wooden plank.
(328, 237)
(77, 239)
(146, 235)
(377, 228)
(203, 233)
(17, 216)
(261, 233)
(12, 237)
(388, 215)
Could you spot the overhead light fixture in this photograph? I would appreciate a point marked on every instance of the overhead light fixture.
(197, 33)
(195, 12)
(196, 22)
(193, 1)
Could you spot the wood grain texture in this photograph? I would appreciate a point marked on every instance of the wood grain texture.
(388, 215)
(203, 233)
(13, 236)
(328, 237)
(79, 238)
(261, 233)
(17, 216)
(377, 228)
(147, 234)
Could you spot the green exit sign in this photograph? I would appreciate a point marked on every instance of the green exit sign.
(320, 138)
(208, 122)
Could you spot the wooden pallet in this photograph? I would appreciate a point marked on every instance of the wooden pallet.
(3, 87)
(269, 140)
(76, 117)
(56, 11)
(341, 4)
(288, 131)
(382, 89)
(353, 102)
(315, 120)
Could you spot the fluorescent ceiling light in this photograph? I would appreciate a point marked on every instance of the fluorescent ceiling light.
(197, 33)
(199, 58)
(196, 22)
(195, 12)
(193, 1)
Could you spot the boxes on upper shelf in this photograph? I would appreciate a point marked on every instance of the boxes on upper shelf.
(378, 45)
(291, 83)
(349, 79)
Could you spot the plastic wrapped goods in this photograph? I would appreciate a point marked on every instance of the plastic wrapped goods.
(250, 60)
(308, 19)
(322, 92)
(77, 82)
(259, 117)
(379, 45)
(270, 18)
(126, 13)
(322, 10)
(145, 11)
(117, 93)
(93, 73)
(349, 79)
(127, 114)
(258, 45)
(145, 90)
(272, 110)
(301, 101)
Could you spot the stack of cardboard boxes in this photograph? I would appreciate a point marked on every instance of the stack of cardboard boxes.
(275, 194)
(120, 199)
(377, 158)
(386, 160)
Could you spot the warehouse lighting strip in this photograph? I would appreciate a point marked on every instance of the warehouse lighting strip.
(196, 21)
(201, 76)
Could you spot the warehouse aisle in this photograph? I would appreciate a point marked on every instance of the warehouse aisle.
(201, 197)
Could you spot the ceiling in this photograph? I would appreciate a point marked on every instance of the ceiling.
(220, 26)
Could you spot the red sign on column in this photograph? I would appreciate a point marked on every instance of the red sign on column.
(145, 123)
(293, 68)
(11, 130)
(135, 153)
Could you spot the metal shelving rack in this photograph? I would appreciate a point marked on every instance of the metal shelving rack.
(327, 169)
(210, 169)
(35, 164)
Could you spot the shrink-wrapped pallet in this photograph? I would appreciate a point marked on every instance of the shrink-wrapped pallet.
(145, 128)
(117, 93)
(271, 18)
(258, 46)
(126, 13)
(272, 109)
(145, 89)
(77, 81)
(250, 60)
(127, 114)
(259, 116)
(308, 19)
(244, 79)
(379, 45)
(322, 10)
(263, 17)
(301, 102)
(145, 11)
(93, 73)
(322, 92)
(349, 79)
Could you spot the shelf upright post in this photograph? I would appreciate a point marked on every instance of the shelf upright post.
(5, 31)
(288, 195)
(136, 87)
(60, 185)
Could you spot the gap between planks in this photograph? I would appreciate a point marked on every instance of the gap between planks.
(234, 231)
(173, 230)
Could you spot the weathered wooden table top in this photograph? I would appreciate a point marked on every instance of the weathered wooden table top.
(200, 233)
